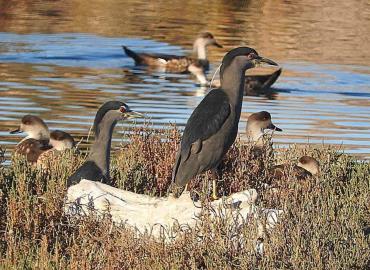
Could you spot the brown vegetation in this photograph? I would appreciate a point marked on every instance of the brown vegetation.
(322, 227)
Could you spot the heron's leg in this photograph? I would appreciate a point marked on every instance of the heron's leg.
(217, 175)
(214, 189)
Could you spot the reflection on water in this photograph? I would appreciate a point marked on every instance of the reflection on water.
(62, 61)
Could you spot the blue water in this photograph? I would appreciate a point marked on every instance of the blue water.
(65, 77)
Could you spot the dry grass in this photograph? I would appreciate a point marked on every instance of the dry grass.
(322, 227)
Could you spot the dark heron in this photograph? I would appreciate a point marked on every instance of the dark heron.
(96, 167)
(213, 126)
(175, 63)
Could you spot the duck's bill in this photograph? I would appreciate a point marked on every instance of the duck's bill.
(273, 127)
(217, 44)
(267, 61)
(133, 114)
(16, 131)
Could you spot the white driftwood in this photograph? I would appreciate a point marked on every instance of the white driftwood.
(155, 215)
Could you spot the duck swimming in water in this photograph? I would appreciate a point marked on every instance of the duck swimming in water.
(175, 63)
(255, 85)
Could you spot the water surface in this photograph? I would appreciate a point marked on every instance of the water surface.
(62, 59)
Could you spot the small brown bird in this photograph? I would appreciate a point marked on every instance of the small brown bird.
(175, 63)
(39, 139)
(256, 125)
(306, 167)
(59, 141)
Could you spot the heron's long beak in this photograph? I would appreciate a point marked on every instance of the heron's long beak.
(214, 43)
(16, 131)
(266, 60)
(133, 114)
(273, 127)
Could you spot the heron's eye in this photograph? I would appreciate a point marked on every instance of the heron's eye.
(251, 55)
(122, 109)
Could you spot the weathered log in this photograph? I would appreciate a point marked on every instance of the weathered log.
(155, 215)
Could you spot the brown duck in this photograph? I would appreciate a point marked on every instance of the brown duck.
(175, 63)
(39, 139)
(256, 125)
(306, 167)
(59, 141)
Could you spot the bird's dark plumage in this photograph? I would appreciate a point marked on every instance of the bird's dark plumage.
(207, 118)
(212, 127)
(96, 167)
(90, 171)
(204, 122)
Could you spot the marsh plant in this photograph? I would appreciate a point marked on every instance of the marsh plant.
(325, 223)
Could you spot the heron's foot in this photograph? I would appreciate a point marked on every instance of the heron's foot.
(176, 190)
(215, 197)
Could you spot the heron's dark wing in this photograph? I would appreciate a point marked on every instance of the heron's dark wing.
(205, 121)
(207, 118)
(90, 171)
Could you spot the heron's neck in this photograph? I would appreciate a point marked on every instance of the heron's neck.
(200, 50)
(232, 82)
(100, 150)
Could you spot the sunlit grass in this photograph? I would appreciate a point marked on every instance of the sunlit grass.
(322, 226)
